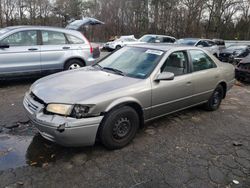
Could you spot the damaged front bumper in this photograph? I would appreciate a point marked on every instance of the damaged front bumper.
(65, 131)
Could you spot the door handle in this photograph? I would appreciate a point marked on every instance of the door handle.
(33, 49)
(66, 47)
(189, 83)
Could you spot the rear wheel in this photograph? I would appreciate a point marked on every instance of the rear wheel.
(119, 127)
(215, 100)
(73, 64)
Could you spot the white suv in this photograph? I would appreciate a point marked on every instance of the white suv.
(207, 44)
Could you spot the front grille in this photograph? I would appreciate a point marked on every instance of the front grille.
(35, 98)
(33, 103)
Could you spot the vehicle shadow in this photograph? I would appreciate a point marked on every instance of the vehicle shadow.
(42, 153)
(16, 82)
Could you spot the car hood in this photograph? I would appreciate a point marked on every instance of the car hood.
(73, 87)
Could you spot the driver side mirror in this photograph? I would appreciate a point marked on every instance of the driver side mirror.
(2, 46)
(164, 76)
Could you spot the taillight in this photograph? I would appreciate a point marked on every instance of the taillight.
(90, 46)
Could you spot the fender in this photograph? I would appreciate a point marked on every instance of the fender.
(123, 100)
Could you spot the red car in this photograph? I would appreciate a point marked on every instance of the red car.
(242, 70)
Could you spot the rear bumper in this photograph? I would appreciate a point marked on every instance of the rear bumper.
(90, 61)
(62, 130)
(230, 84)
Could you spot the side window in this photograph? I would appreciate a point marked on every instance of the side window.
(211, 43)
(74, 40)
(202, 43)
(201, 61)
(176, 63)
(22, 38)
(53, 38)
(168, 40)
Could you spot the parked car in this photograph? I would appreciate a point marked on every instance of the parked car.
(32, 50)
(234, 54)
(207, 44)
(220, 43)
(113, 98)
(130, 40)
(156, 39)
(120, 42)
(242, 70)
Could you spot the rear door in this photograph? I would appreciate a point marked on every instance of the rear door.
(205, 75)
(23, 55)
(55, 50)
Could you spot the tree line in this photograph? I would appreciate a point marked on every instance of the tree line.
(227, 19)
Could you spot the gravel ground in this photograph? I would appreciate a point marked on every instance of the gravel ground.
(192, 148)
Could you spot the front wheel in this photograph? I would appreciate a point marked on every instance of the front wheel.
(119, 127)
(215, 100)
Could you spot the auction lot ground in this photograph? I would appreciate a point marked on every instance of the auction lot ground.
(192, 148)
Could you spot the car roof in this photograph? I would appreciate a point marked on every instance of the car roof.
(20, 27)
(163, 47)
(198, 39)
(155, 35)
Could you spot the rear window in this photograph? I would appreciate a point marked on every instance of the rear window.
(53, 38)
(189, 42)
(74, 40)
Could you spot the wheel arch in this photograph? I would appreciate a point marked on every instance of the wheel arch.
(224, 85)
(72, 58)
(133, 103)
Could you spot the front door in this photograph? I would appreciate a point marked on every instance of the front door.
(22, 55)
(173, 95)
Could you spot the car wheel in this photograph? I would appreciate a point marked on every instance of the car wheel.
(215, 100)
(118, 47)
(73, 64)
(119, 127)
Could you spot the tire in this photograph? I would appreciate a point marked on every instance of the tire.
(215, 100)
(73, 64)
(118, 47)
(119, 127)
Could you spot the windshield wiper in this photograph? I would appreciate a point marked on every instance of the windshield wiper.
(114, 70)
(97, 65)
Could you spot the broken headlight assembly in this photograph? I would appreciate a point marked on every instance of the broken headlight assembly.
(80, 111)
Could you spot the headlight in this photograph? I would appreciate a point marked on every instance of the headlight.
(61, 109)
(80, 111)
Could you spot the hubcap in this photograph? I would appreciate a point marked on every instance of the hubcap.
(216, 98)
(74, 66)
(121, 128)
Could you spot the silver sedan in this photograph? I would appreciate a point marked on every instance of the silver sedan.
(113, 98)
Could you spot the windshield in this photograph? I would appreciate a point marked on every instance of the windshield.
(189, 42)
(132, 61)
(147, 38)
